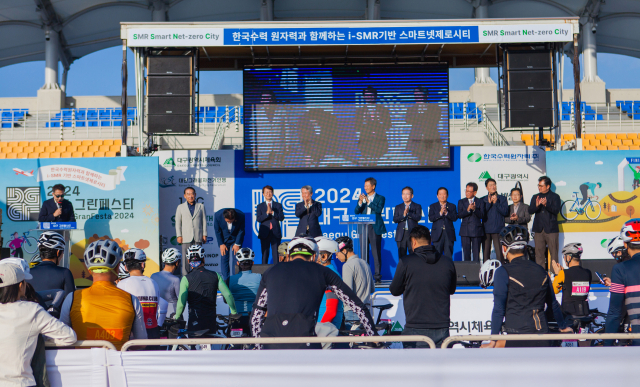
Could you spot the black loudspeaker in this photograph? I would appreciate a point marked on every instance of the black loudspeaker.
(168, 105)
(468, 273)
(170, 94)
(170, 65)
(529, 88)
(169, 123)
(158, 86)
(602, 266)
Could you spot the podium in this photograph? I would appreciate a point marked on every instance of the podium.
(358, 223)
(65, 229)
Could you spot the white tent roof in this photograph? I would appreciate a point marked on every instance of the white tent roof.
(91, 25)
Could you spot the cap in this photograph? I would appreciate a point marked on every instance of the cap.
(283, 248)
(24, 265)
(10, 274)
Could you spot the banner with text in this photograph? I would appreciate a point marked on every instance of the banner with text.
(338, 193)
(599, 191)
(211, 174)
(113, 198)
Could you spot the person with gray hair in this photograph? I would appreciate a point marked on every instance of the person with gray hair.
(308, 211)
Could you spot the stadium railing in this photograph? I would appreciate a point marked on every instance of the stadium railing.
(536, 337)
(84, 343)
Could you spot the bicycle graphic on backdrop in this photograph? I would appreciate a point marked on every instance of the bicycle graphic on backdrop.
(572, 208)
(19, 243)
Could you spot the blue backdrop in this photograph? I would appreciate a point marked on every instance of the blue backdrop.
(338, 192)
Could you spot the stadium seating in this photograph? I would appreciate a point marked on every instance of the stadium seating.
(589, 112)
(456, 111)
(591, 141)
(58, 149)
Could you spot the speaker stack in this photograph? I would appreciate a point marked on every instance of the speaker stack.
(529, 85)
(170, 94)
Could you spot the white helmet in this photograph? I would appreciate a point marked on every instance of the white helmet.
(615, 245)
(303, 245)
(171, 255)
(122, 271)
(51, 240)
(326, 244)
(195, 253)
(488, 272)
(102, 255)
(135, 254)
(245, 254)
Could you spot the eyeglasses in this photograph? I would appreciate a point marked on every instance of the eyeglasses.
(58, 196)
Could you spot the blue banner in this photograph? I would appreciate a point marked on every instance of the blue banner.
(355, 35)
(338, 192)
(58, 225)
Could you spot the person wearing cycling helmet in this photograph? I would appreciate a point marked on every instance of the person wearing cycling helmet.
(35, 260)
(617, 250)
(488, 272)
(244, 285)
(102, 311)
(356, 273)
(200, 288)
(625, 284)
(283, 256)
(292, 293)
(167, 281)
(331, 308)
(154, 307)
(122, 272)
(48, 275)
(574, 282)
(521, 289)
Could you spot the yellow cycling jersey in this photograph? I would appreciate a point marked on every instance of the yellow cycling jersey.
(102, 312)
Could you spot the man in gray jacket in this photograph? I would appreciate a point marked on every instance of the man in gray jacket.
(356, 273)
(191, 225)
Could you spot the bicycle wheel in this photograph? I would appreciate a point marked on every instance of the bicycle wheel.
(30, 245)
(569, 210)
(593, 210)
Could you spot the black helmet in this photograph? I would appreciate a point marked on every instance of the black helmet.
(344, 242)
(514, 237)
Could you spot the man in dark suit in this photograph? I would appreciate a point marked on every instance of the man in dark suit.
(57, 209)
(269, 214)
(496, 208)
(372, 203)
(407, 215)
(545, 205)
(308, 211)
(228, 224)
(442, 214)
(471, 211)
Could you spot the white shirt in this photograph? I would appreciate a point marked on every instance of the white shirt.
(370, 198)
(147, 291)
(20, 324)
(229, 226)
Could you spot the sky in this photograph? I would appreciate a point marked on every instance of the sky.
(99, 73)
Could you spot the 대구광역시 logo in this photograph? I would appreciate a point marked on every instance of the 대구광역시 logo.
(474, 157)
(484, 175)
(169, 162)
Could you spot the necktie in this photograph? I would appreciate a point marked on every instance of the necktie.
(406, 222)
(269, 210)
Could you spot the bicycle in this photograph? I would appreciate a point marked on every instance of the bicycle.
(174, 329)
(572, 208)
(28, 243)
(357, 329)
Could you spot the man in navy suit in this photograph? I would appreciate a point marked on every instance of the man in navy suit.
(228, 224)
(373, 203)
(407, 214)
(442, 214)
(308, 211)
(496, 208)
(57, 209)
(471, 211)
(269, 214)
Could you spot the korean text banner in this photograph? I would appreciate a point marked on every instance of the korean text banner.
(599, 191)
(211, 174)
(113, 198)
(338, 193)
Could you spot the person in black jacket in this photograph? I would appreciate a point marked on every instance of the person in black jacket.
(308, 211)
(442, 214)
(496, 208)
(407, 214)
(471, 211)
(57, 209)
(426, 282)
(269, 214)
(545, 206)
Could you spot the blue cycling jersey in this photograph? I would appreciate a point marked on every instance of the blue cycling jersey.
(244, 287)
(337, 321)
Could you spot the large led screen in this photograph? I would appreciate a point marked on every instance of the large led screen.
(346, 117)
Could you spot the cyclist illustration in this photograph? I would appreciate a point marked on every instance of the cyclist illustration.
(585, 188)
(17, 242)
(636, 176)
